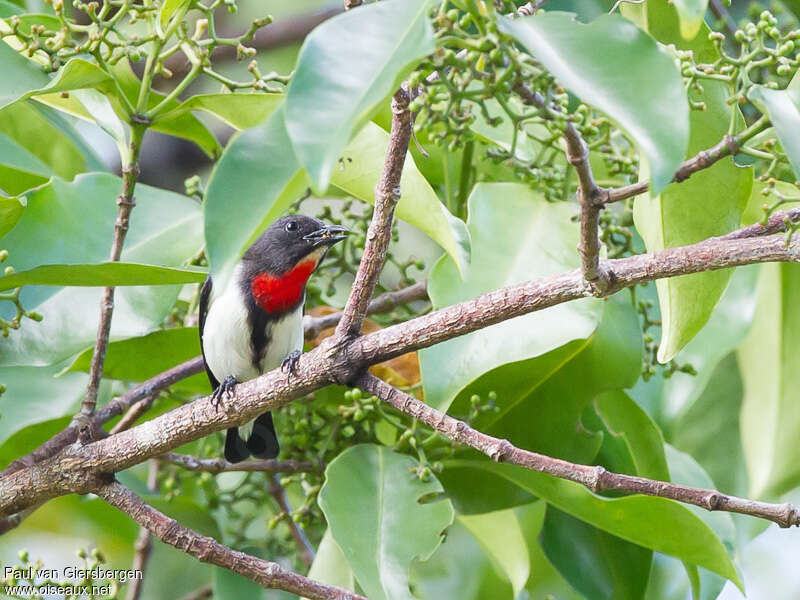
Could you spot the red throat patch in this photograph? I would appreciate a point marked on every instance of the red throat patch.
(277, 294)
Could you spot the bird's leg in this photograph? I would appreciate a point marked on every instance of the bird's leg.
(225, 389)
(290, 362)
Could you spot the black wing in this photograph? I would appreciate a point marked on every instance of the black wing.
(205, 299)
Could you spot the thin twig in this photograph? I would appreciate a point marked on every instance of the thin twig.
(596, 478)
(304, 546)
(220, 465)
(125, 202)
(719, 11)
(267, 574)
(379, 234)
(200, 593)
(143, 545)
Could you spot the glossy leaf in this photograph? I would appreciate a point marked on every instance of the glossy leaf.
(655, 523)
(541, 405)
(10, 212)
(77, 220)
(354, 61)
(671, 218)
(33, 395)
(102, 274)
(240, 111)
(691, 14)
(783, 108)
(20, 75)
(254, 182)
(622, 63)
(459, 569)
(501, 537)
(599, 565)
(516, 236)
(769, 363)
(330, 566)
(140, 358)
(359, 173)
(368, 498)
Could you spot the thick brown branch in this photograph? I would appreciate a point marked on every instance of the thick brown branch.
(79, 469)
(125, 202)
(595, 478)
(265, 573)
(220, 465)
(379, 234)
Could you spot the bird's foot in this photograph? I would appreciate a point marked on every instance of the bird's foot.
(225, 389)
(290, 363)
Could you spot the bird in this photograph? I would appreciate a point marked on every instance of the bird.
(254, 323)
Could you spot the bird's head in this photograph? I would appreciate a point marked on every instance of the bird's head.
(292, 240)
(279, 263)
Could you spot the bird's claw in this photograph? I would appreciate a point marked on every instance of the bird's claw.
(225, 389)
(289, 363)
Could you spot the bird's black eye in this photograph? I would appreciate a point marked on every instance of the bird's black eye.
(291, 226)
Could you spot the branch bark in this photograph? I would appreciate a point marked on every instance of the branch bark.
(81, 469)
(125, 203)
(220, 465)
(265, 573)
(143, 546)
(595, 478)
(379, 234)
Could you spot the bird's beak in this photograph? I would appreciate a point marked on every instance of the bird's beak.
(327, 236)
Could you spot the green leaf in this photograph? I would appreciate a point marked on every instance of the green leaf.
(719, 449)
(103, 274)
(769, 363)
(624, 419)
(33, 395)
(672, 219)
(330, 566)
(656, 523)
(77, 221)
(541, 403)
(354, 61)
(169, 9)
(516, 236)
(65, 154)
(597, 564)
(623, 62)
(783, 108)
(254, 182)
(362, 163)
(369, 499)
(500, 536)
(20, 75)
(140, 358)
(691, 14)
(459, 569)
(240, 111)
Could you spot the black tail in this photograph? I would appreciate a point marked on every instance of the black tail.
(262, 443)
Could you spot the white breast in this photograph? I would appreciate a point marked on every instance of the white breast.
(226, 336)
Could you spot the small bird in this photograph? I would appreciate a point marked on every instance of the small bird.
(255, 323)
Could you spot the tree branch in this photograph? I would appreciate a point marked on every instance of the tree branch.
(220, 465)
(267, 574)
(379, 234)
(588, 197)
(596, 478)
(125, 202)
(80, 469)
(143, 546)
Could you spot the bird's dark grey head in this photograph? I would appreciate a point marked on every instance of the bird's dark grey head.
(289, 240)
